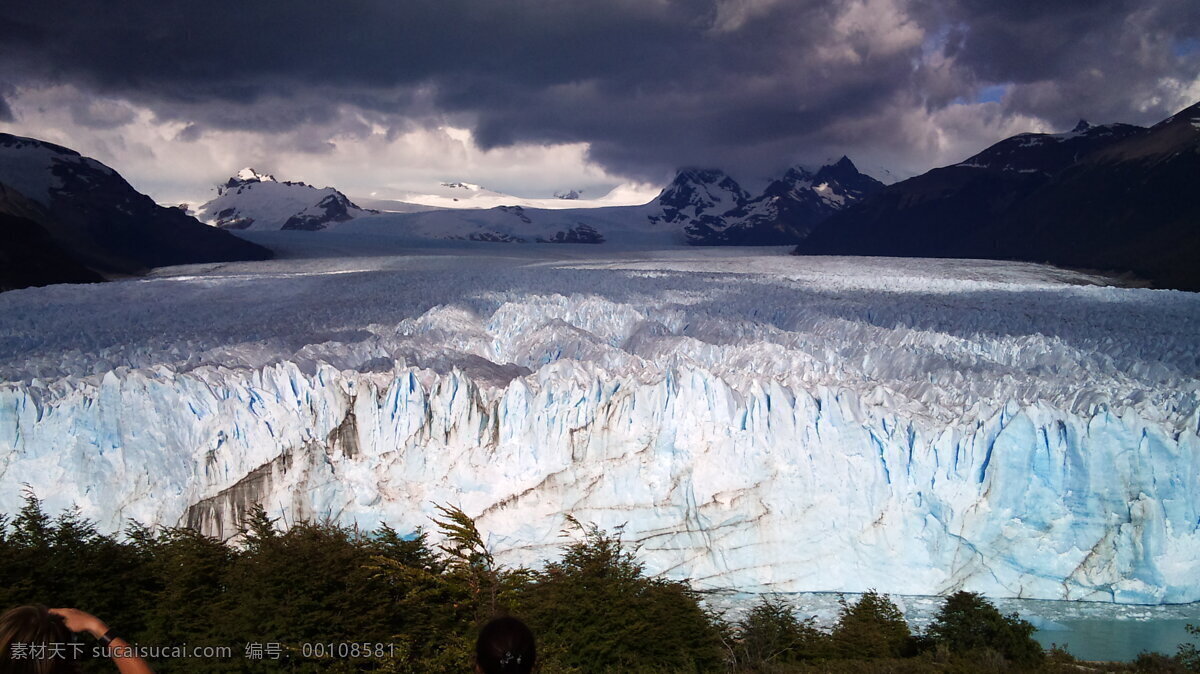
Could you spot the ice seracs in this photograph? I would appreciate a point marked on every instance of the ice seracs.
(755, 422)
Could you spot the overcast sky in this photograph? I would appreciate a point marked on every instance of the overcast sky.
(536, 96)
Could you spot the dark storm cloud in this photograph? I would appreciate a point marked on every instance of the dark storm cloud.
(1076, 57)
(94, 114)
(651, 84)
(190, 133)
(6, 113)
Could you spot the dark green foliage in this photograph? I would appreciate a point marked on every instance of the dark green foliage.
(1188, 655)
(593, 610)
(596, 610)
(1157, 663)
(32, 528)
(413, 552)
(771, 636)
(258, 530)
(968, 623)
(188, 571)
(1185, 661)
(63, 561)
(871, 627)
(311, 583)
(443, 599)
(471, 566)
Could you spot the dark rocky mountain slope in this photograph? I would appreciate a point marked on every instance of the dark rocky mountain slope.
(90, 213)
(1117, 198)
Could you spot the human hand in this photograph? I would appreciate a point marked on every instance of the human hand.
(79, 621)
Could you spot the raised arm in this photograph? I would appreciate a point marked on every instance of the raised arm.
(78, 621)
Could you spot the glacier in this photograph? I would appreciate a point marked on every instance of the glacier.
(752, 420)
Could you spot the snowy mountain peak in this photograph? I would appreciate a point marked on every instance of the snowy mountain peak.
(790, 185)
(249, 175)
(844, 182)
(470, 187)
(844, 164)
(702, 191)
(253, 200)
(797, 173)
(40, 170)
(1081, 127)
(714, 210)
(246, 176)
(842, 169)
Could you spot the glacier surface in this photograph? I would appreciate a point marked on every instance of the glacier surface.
(755, 421)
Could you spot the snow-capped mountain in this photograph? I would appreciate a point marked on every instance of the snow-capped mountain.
(712, 209)
(102, 222)
(697, 201)
(257, 201)
(1114, 197)
(702, 207)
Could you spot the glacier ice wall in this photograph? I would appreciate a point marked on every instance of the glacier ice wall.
(771, 487)
(778, 440)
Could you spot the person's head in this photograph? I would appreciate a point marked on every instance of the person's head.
(505, 646)
(27, 632)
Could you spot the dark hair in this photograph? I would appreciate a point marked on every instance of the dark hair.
(35, 625)
(505, 646)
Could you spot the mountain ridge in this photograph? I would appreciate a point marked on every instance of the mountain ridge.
(253, 200)
(1116, 197)
(701, 206)
(96, 219)
(784, 212)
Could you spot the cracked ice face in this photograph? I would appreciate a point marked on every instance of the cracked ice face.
(758, 421)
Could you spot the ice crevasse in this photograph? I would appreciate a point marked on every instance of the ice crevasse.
(754, 483)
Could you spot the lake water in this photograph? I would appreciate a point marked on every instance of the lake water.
(1087, 630)
(1109, 640)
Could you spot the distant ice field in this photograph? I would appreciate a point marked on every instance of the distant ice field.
(953, 331)
(756, 421)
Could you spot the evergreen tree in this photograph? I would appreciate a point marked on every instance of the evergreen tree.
(64, 561)
(872, 627)
(188, 570)
(258, 529)
(32, 527)
(470, 561)
(771, 635)
(310, 584)
(967, 622)
(1188, 655)
(595, 610)
(413, 551)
